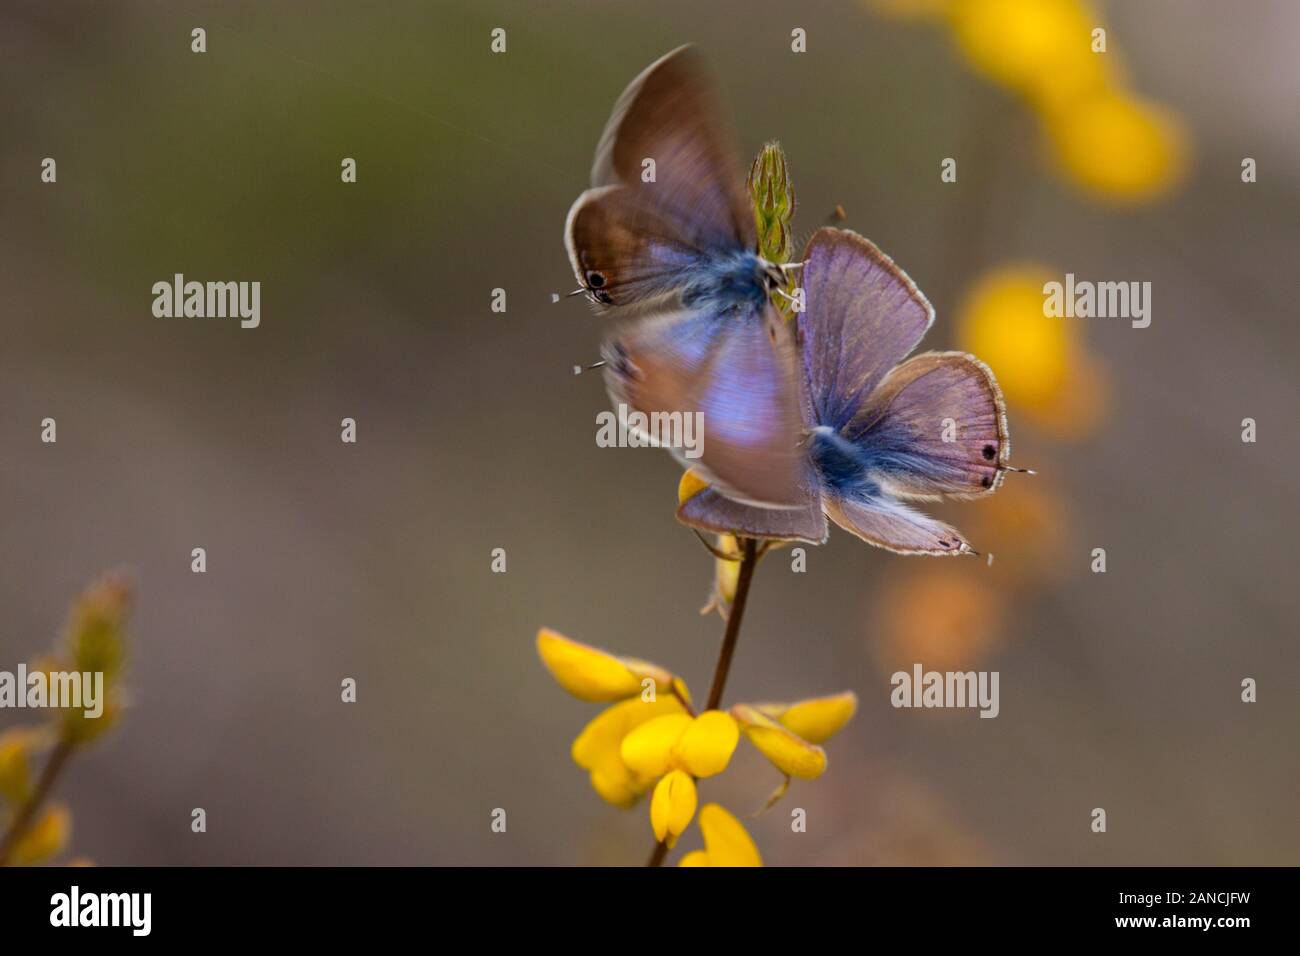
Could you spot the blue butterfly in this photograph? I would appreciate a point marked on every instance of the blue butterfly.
(880, 431)
(667, 233)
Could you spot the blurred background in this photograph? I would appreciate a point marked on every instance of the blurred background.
(372, 561)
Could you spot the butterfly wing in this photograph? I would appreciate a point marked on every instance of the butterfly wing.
(737, 369)
(710, 510)
(630, 240)
(888, 523)
(936, 425)
(863, 316)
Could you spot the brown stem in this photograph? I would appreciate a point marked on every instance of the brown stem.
(23, 819)
(748, 558)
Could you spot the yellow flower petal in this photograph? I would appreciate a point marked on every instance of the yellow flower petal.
(597, 748)
(1001, 320)
(815, 720)
(615, 784)
(690, 486)
(1118, 146)
(1021, 44)
(791, 754)
(672, 806)
(15, 753)
(592, 674)
(706, 746)
(648, 749)
(46, 837)
(695, 858)
(725, 841)
(727, 573)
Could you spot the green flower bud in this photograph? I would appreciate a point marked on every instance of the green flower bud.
(772, 194)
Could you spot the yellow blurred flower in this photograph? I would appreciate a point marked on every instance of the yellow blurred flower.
(16, 747)
(44, 838)
(1103, 139)
(725, 841)
(946, 617)
(1028, 527)
(591, 674)
(1118, 146)
(1039, 362)
(1024, 44)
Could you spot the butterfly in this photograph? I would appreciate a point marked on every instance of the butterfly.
(667, 233)
(879, 431)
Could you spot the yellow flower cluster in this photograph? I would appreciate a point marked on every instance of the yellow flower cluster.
(95, 642)
(651, 737)
(1104, 138)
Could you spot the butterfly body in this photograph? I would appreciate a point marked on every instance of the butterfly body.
(739, 279)
(841, 465)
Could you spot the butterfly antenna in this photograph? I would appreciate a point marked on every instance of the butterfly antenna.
(1023, 471)
(555, 296)
(578, 369)
(836, 215)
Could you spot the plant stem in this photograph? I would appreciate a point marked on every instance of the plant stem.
(748, 559)
(23, 818)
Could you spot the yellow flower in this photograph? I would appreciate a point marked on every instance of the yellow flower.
(702, 746)
(679, 748)
(950, 618)
(672, 806)
(15, 755)
(726, 573)
(1040, 363)
(792, 755)
(815, 720)
(597, 748)
(1117, 146)
(725, 841)
(45, 838)
(690, 485)
(591, 674)
(1024, 44)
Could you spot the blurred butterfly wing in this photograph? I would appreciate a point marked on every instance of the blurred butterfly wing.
(625, 250)
(710, 510)
(863, 316)
(669, 114)
(890, 524)
(737, 369)
(936, 425)
(627, 230)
